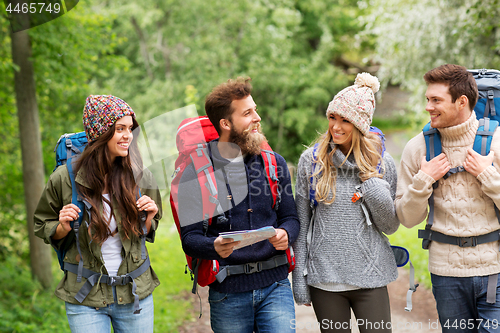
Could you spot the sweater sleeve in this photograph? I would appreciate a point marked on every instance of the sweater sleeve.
(379, 194)
(300, 287)
(414, 186)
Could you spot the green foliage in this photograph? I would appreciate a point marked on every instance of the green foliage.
(414, 36)
(25, 307)
(287, 47)
(408, 238)
(68, 53)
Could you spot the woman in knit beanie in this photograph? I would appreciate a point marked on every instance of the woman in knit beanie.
(108, 280)
(345, 190)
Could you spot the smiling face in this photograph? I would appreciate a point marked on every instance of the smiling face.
(341, 131)
(244, 115)
(444, 112)
(118, 145)
(244, 126)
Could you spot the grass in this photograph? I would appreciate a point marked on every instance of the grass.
(26, 307)
(172, 307)
(408, 239)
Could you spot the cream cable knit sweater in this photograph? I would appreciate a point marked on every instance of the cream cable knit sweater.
(463, 204)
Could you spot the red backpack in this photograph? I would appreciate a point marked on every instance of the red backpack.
(192, 137)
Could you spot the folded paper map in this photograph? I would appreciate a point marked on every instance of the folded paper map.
(249, 237)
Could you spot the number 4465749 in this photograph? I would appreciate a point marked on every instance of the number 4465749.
(34, 8)
(471, 323)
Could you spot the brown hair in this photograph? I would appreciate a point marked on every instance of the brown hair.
(218, 102)
(459, 80)
(120, 183)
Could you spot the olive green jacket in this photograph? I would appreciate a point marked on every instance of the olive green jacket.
(56, 194)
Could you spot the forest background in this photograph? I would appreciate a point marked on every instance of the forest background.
(162, 55)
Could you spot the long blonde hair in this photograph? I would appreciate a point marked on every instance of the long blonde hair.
(367, 151)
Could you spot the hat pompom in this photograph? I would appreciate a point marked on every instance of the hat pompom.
(367, 80)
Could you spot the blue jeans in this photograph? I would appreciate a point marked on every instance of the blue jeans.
(461, 304)
(270, 309)
(86, 319)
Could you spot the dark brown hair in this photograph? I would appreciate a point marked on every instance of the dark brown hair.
(459, 80)
(218, 102)
(120, 183)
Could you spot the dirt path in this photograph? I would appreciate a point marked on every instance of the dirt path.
(422, 319)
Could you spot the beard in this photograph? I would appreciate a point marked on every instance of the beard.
(247, 141)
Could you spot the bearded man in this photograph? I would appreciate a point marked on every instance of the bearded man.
(260, 299)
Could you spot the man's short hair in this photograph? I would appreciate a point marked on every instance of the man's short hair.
(459, 80)
(218, 102)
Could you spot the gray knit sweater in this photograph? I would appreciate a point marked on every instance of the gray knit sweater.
(344, 248)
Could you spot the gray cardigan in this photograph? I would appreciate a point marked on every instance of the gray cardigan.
(344, 248)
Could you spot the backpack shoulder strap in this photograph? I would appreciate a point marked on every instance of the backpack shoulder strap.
(432, 149)
(77, 200)
(271, 167)
(432, 142)
(482, 142)
(312, 179)
(484, 135)
(208, 185)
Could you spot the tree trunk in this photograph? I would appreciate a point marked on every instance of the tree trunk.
(31, 149)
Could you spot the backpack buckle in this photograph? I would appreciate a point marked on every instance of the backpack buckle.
(467, 241)
(491, 94)
(112, 281)
(252, 267)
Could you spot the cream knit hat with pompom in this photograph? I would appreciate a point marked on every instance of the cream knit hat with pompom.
(356, 103)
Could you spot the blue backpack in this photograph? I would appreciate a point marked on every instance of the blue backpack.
(69, 146)
(401, 255)
(488, 86)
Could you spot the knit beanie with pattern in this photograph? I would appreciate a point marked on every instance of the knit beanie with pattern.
(101, 112)
(356, 103)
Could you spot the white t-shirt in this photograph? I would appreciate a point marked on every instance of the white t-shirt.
(112, 247)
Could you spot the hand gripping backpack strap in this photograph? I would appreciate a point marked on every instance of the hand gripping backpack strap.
(482, 144)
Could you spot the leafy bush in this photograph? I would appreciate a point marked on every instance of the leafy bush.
(26, 307)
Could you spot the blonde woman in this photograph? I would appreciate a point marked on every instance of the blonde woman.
(344, 260)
